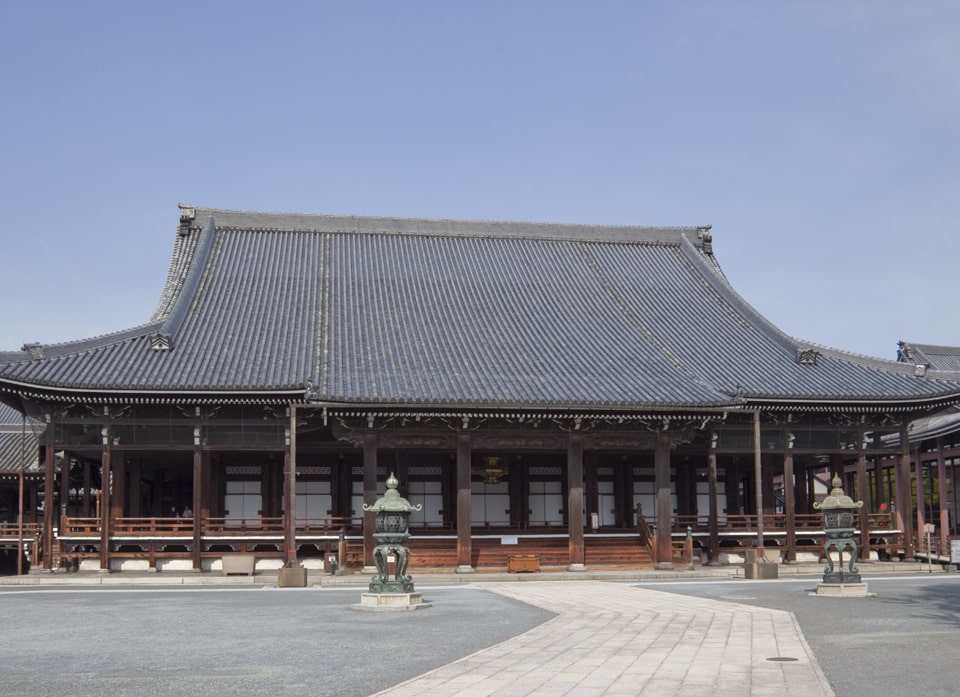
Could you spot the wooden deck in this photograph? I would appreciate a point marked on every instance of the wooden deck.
(154, 538)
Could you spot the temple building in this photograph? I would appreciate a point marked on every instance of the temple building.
(585, 396)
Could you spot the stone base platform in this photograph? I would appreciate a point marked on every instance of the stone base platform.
(391, 602)
(843, 590)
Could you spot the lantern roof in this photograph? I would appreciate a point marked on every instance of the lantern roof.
(837, 499)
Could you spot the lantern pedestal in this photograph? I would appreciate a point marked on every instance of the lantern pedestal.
(391, 602)
(843, 590)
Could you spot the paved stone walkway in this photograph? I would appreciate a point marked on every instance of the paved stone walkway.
(615, 639)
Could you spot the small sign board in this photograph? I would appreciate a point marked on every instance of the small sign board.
(508, 540)
(955, 551)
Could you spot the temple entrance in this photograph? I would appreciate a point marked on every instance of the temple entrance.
(242, 502)
(490, 504)
(157, 486)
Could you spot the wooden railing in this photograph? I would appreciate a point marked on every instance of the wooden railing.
(12, 530)
(226, 525)
(771, 522)
(243, 526)
(79, 527)
(646, 536)
(327, 524)
(805, 524)
(152, 526)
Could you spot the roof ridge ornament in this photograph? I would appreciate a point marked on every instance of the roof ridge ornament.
(807, 356)
(35, 350)
(904, 352)
(161, 342)
(705, 238)
(187, 215)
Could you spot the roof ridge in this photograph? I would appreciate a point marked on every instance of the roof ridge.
(197, 266)
(317, 222)
(200, 210)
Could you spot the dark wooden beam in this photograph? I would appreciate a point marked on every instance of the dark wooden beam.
(370, 449)
(713, 523)
(464, 495)
(49, 483)
(575, 502)
(105, 505)
(664, 511)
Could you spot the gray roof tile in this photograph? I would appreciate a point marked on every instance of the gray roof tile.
(19, 441)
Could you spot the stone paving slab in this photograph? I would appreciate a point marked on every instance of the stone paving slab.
(615, 639)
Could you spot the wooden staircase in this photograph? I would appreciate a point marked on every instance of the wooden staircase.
(492, 555)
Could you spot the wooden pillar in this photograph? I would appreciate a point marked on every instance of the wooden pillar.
(789, 503)
(119, 488)
(464, 512)
(290, 492)
(197, 505)
(944, 522)
(401, 470)
(811, 483)
(921, 512)
(575, 502)
(863, 494)
(64, 487)
(713, 521)
(800, 503)
(49, 485)
(369, 496)
(105, 502)
(758, 478)
(661, 469)
(592, 486)
(904, 519)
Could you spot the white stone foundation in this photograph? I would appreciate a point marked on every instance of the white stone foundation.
(391, 602)
(843, 590)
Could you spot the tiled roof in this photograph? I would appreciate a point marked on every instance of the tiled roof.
(19, 442)
(385, 311)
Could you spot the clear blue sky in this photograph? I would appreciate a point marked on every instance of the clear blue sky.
(820, 139)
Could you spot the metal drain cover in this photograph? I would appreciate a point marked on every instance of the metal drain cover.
(783, 659)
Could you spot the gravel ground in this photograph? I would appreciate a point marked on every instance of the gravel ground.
(256, 641)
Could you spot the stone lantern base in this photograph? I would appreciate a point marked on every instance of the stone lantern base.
(843, 590)
(391, 602)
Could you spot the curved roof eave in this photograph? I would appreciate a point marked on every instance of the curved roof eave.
(861, 405)
(158, 396)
